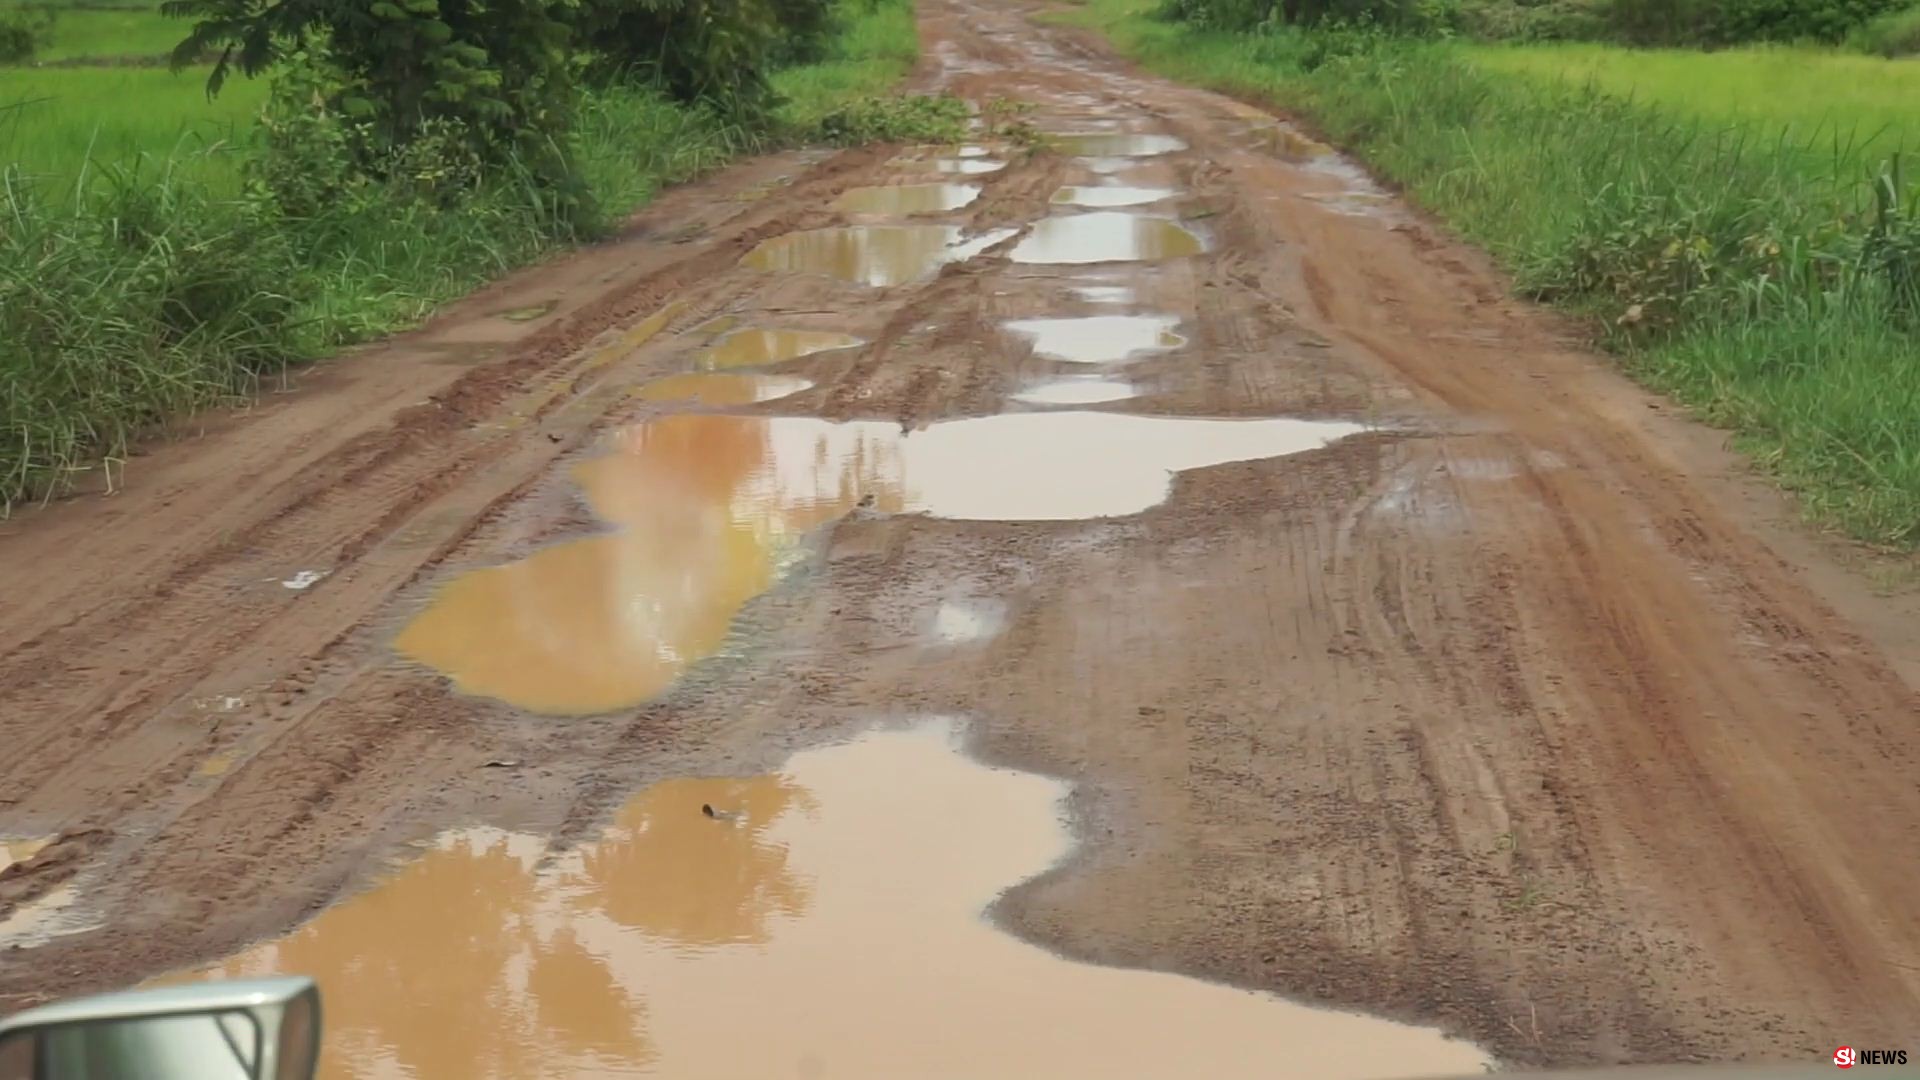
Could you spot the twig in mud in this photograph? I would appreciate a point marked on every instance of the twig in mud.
(1533, 1022)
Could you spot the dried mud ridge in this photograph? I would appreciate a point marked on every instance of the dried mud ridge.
(1512, 715)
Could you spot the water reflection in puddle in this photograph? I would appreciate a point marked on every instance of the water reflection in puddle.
(52, 914)
(1115, 195)
(1105, 236)
(966, 623)
(907, 198)
(830, 927)
(754, 346)
(1099, 339)
(1104, 294)
(959, 166)
(870, 254)
(721, 388)
(1109, 144)
(20, 849)
(710, 509)
(1083, 391)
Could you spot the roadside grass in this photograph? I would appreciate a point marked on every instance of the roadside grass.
(55, 122)
(1727, 261)
(111, 33)
(133, 290)
(1858, 108)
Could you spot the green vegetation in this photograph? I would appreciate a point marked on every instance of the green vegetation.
(110, 34)
(132, 289)
(1896, 33)
(1722, 244)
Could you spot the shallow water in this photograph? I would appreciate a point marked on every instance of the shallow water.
(755, 346)
(1099, 339)
(1114, 195)
(1111, 144)
(878, 255)
(1105, 236)
(719, 389)
(829, 926)
(709, 508)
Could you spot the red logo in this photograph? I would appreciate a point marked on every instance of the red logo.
(1845, 1057)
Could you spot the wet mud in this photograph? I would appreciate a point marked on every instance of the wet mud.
(1333, 631)
(826, 920)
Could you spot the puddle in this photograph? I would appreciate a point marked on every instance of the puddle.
(217, 765)
(1104, 294)
(711, 508)
(959, 166)
(870, 254)
(1115, 195)
(1111, 144)
(965, 623)
(1288, 143)
(754, 346)
(304, 580)
(1105, 236)
(529, 313)
(1081, 391)
(1099, 339)
(1353, 203)
(907, 198)
(20, 849)
(717, 389)
(833, 928)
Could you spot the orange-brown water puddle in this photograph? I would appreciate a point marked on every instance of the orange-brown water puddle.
(1099, 339)
(907, 198)
(869, 254)
(709, 509)
(829, 925)
(51, 914)
(756, 346)
(719, 389)
(1105, 236)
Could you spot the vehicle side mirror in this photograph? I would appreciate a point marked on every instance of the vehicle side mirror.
(243, 1029)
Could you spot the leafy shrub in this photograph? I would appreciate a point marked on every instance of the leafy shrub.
(1554, 20)
(877, 118)
(23, 32)
(1729, 22)
(1896, 33)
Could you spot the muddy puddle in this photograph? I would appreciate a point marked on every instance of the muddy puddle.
(1081, 391)
(718, 389)
(957, 166)
(878, 255)
(758, 346)
(52, 914)
(896, 199)
(1104, 294)
(1105, 236)
(20, 849)
(1099, 339)
(828, 922)
(709, 509)
(1111, 195)
(1115, 144)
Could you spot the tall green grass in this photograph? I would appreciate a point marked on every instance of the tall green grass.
(1731, 257)
(89, 33)
(132, 290)
(55, 123)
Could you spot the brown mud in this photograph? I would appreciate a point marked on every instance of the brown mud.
(1523, 712)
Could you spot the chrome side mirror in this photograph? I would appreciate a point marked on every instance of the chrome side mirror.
(244, 1029)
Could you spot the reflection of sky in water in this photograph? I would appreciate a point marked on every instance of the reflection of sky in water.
(834, 929)
(708, 509)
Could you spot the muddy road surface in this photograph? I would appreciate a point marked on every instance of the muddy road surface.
(1390, 652)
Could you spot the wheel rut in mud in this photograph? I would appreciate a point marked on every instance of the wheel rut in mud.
(1396, 658)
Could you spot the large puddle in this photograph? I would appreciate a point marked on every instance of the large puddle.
(1105, 236)
(870, 254)
(1114, 195)
(719, 389)
(1099, 339)
(1112, 144)
(827, 923)
(907, 198)
(756, 346)
(709, 508)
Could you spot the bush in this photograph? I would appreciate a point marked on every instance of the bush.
(1896, 33)
(1731, 22)
(23, 32)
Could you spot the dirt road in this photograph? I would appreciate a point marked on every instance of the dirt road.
(1517, 712)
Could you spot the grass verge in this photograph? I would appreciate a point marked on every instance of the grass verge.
(138, 282)
(1739, 262)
